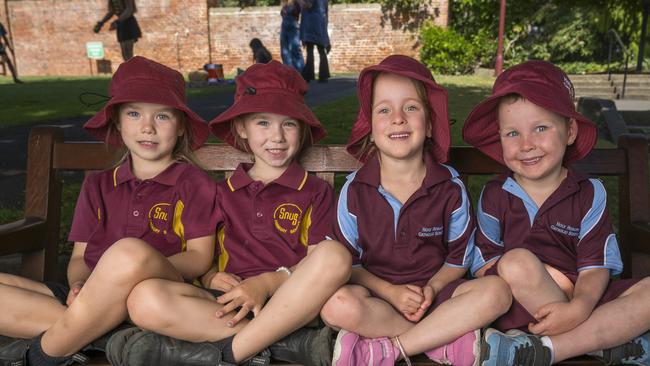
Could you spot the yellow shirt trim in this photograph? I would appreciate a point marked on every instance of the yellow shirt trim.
(304, 179)
(232, 189)
(304, 227)
(223, 253)
(177, 224)
(115, 176)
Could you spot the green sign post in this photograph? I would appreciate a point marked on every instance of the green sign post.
(95, 50)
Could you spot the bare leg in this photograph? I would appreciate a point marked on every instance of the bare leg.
(28, 307)
(473, 305)
(531, 284)
(101, 304)
(353, 308)
(179, 310)
(297, 301)
(610, 324)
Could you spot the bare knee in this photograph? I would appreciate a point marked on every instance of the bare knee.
(343, 310)
(333, 260)
(518, 267)
(129, 260)
(497, 294)
(147, 304)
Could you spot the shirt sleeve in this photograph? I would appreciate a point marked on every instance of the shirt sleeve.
(346, 229)
(460, 228)
(88, 212)
(197, 208)
(597, 245)
(487, 238)
(316, 224)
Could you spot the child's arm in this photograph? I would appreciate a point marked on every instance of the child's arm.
(78, 271)
(196, 260)
(560, 317)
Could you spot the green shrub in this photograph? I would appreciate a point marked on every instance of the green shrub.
(446, 52)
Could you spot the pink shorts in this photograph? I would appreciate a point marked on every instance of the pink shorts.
(519, 318)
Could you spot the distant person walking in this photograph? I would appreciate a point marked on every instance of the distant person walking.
(313, 32)
(5, 45)
(290, 35)
(128, 30)
(261, 54)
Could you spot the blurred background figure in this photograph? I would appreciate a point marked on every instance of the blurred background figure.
(260, 54)
(128, 30)
(290, 35)
(5, 59)
(313, 32)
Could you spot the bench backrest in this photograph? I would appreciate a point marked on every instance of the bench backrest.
(48, 155)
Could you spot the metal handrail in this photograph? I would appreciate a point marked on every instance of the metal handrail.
(614, 37)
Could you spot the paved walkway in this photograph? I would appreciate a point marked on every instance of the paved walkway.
(13, 140)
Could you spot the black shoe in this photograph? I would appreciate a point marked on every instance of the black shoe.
(116, 342)
(13, 351)
(306, 346)
(634, 352)
(36, 356)
(148, 348)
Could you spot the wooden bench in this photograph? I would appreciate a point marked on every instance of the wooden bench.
(36, 235)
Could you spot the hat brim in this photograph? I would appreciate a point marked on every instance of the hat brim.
(437, 98)
(147, 92)
(269, 102)
(481, 129)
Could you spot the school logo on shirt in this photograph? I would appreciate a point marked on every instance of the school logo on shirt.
(286, 218)
(565, 229)
(158, 216)
(426, 232)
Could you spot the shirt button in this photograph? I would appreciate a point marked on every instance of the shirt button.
(136, 213)
(403, 233)
(259, 214)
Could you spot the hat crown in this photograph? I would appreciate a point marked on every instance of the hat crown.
(542, 73)
(399, 64)
(270, 77)
(142, 70)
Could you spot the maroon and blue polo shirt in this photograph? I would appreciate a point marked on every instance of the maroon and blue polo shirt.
(409, 243)
(267, 226)
(572, 230)
(166, 211)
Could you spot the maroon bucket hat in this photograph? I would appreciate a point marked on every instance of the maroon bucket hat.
(541, 83)
(437, 96)
(268, 88)
(146, 81)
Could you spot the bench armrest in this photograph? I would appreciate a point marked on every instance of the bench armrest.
(640, 237)
(26, 235)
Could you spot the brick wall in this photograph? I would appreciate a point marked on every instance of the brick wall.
(50, 35)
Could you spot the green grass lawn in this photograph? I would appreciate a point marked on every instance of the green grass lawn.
(50, 98)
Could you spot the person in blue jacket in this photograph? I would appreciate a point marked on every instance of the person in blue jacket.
(313, 32)
(290, 35)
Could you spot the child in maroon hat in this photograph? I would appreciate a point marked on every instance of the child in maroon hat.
(275, 266)
(153, 215)
(545, 229)
(406, 218)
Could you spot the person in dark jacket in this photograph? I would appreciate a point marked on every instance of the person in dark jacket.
(313, 32)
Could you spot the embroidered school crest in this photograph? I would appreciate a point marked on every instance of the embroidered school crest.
(158, 216)
(286, 218)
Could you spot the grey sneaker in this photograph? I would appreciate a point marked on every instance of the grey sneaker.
(13, 351)
(306, 346)
(148, 348)
(634, 352)
(499, 349)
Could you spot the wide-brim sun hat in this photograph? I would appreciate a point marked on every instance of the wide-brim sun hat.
(543, 84)
(145, 81)
(436, 95)
(268, 88)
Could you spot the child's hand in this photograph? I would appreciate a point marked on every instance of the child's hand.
(75, 288)
(558, 318)
(406, 298)
(224, 281)
(250, 295)
(429, 295)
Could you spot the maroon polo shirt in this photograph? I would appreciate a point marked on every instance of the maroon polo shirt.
(177, 205)
(409, 243)
(267, 226)
(571, 231)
